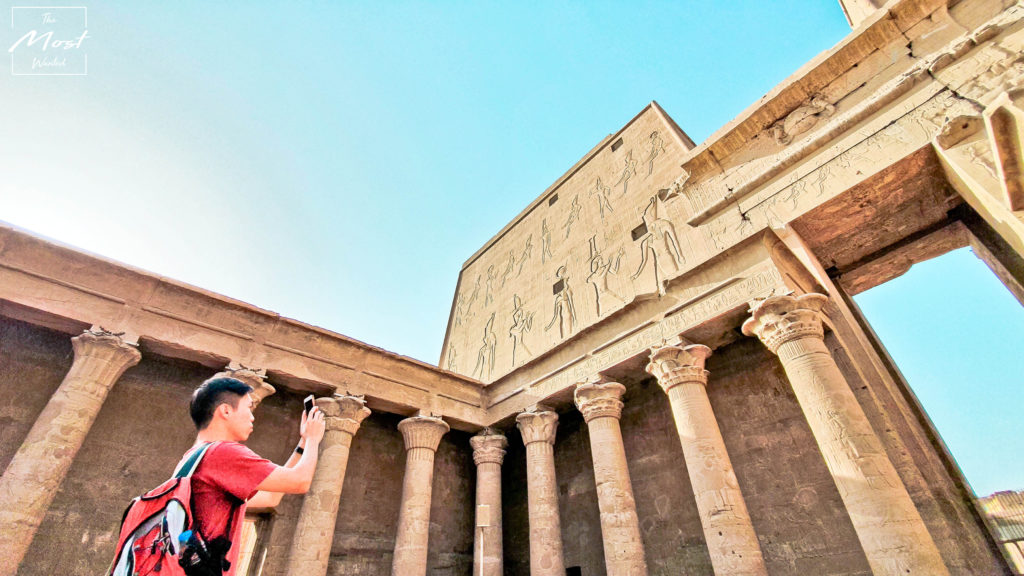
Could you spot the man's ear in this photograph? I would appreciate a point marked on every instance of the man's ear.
(224, 410)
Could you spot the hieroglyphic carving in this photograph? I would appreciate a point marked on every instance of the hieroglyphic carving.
(600, 269)
(802, 119)
(485, 356)
(574, 215)
(660, 232)
(655, 146)
(522, 322)
(545, 241)
(628, 171)
(601, 192)
(565, 311)
(527, 252)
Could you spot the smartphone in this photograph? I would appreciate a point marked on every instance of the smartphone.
(307, 404)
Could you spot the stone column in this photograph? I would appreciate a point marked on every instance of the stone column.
(538, 429)
(251, 376)
(314, 533)
(732, 543)
(601, 405)
(31, 480)
(889, 527)
(488, 453)
(422, 435)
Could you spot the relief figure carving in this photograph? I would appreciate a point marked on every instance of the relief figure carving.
(485, 356)
(451, 364)
(628, 171)
(565, 311)
(976, 154)
(574, 215)
(522, 322)
(599, 271)
(508, 267)
(660, 236)
(545, 241)
(488, 291)
(527, 252)
(657, 146)
(472, 298)
(601, 192)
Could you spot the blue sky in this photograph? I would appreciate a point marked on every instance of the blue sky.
(337, 162)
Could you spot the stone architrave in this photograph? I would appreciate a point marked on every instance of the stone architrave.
(251, 376)
(39, 466)
(422, 435)
(888, 525)
(728, 531)
(601, 405)
(488, 454)
(538, 429)
(314, 533)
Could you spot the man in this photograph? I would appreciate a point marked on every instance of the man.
(231, 476)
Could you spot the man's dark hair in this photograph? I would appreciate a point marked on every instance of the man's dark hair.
(213, 393)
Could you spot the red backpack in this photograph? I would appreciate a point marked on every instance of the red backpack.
(157, 531)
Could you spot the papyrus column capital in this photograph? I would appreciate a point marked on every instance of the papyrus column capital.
(344, 413)
(538, 425)
(675, 364)
(102, 357)
(253, 377)
(488, 447)
(423, 432)
(781, 319)
(599, 399)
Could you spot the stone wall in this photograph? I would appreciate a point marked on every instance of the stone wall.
(33, 361)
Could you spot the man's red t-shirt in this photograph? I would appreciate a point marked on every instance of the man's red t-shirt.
(228, 476)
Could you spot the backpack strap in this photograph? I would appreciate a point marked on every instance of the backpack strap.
(188, 465)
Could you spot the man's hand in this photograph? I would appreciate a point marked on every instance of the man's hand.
(295, 477)
(312, 425)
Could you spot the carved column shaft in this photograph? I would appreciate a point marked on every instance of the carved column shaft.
(728, 531)
(538, 430)
(422, 435)
(891, 531)
(488, 453)
(39, 466)
(620, 526)
(314, 533)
